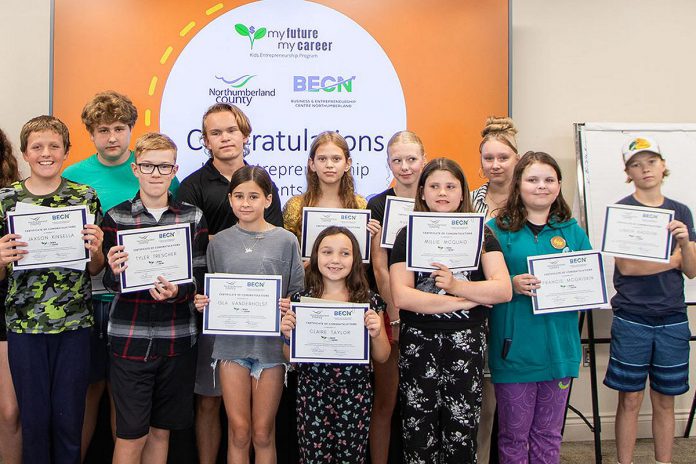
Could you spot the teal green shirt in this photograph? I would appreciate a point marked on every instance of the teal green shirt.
(114, 184)
(541, 347)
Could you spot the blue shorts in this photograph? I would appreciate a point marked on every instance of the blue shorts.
(638, 350)
(99, 351)
(255, 366)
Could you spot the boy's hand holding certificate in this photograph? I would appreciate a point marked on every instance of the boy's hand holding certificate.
(53, 236)
(638, 232)
(153, 252)
(452, 239)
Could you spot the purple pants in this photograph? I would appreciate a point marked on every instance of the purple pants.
(530, 417)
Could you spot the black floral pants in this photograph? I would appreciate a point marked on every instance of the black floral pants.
(440, 391)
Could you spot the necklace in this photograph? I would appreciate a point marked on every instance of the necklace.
(249, 249)
(496, 203)
(259, 236)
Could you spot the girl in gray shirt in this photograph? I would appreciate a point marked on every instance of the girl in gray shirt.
(252, 367)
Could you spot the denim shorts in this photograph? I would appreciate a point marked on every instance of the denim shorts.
(255, 366)
(638, 350)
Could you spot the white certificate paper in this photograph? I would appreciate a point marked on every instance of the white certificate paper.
(156, 251)
(242, 304)
(330, 333)
(396, 211)
(637, 232)
(452, 239)
(569, 282)
(54, 236)
(315, 220)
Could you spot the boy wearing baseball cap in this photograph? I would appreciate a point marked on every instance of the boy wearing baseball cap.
(650, 331)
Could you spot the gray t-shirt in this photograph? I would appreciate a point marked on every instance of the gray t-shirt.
(275, 252)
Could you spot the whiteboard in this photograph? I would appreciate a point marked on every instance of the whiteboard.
(602, 181)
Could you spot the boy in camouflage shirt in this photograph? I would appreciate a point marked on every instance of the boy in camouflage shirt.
(48, 310)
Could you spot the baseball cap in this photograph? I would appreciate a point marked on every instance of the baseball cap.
(639, 145)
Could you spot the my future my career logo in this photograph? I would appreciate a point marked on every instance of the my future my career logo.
(251, 32)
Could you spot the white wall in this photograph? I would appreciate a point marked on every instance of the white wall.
(25, 35)
(618, 60)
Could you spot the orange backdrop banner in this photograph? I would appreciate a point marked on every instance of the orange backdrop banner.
(366, 68)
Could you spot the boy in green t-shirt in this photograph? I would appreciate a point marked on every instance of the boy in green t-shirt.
(48, 310)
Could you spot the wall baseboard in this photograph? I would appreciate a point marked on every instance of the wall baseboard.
(577, 430)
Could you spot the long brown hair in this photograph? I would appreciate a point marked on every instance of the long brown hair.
(8, 163)
(356, 280)
(347, 186)
(443, 164)
(513, 215)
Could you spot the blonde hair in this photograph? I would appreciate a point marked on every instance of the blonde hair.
(109, 107)
(154, 141)
(239, 116)
(347, 186)
(405, 136)
(44, 123)
(501, 129)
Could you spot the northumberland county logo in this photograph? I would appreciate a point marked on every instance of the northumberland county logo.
(237, 92)
(241, 81)
(251, 32)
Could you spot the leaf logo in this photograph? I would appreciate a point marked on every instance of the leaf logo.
(238, 82)
(251, 32)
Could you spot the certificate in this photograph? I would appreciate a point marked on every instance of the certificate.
(453, 239)
(54, 236)
(330, 333)
(637, 232)
(156, 251)
(569, 282)
(242, 304)
(396, 211)
(315, 220)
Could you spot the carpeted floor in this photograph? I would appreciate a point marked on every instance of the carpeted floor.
(583, 452)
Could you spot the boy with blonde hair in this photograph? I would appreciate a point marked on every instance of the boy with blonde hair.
(650, 330)
(109, 117)
(152, 333)
(48, 310)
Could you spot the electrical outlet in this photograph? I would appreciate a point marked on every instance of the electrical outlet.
(585, 356)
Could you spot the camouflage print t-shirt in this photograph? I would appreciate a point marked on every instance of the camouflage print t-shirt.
(55, 299)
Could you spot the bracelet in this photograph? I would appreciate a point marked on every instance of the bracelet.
(394, 323)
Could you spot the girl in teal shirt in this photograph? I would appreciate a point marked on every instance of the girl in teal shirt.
(532, 357)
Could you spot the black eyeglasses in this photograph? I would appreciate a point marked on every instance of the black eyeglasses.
(149, 168)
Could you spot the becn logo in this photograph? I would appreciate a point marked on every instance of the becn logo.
(460, 222)
(322, 84)
(343, 312)
(166, 234)
(61, 216)
(256, 284)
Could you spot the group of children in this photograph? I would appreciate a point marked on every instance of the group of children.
(429, 331)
